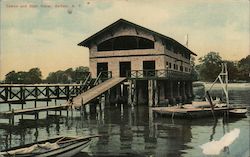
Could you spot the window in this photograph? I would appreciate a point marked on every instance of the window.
(125, 43)
(186, 69)
(169, 65)
(175, 67)
(181, 68)
(168, 46)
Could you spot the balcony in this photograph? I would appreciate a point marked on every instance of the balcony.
(158, 74)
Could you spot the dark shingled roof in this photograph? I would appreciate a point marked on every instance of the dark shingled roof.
(87, 41)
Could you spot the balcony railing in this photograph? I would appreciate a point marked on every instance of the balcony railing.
(157, 74)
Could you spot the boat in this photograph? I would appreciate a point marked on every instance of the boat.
(205, 108)
(56, 147)
(240, 112)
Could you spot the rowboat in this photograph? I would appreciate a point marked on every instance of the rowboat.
(59, 146)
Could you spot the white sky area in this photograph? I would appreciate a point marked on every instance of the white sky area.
(47, 37)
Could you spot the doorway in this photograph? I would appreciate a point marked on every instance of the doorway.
(124, 68)
(148, 68)
(102, 67)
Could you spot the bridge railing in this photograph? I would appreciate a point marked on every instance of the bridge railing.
(154, 74)
(22, 93)
(19, 93)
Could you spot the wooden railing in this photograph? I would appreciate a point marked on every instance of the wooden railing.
(154, 74)
(19, 93)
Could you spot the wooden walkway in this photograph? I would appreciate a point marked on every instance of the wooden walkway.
(33, 110)
(92, 93)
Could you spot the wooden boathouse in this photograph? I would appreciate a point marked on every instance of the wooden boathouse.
(156, 67)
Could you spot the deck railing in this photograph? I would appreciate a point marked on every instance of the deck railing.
(154, 74)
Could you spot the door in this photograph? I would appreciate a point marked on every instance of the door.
(124, 68)
(148, 68)
(102, 67)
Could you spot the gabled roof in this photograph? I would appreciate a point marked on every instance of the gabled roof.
(87, 41)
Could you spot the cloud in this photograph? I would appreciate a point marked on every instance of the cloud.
(50, 33)
(48, 49)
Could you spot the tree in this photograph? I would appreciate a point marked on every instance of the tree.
(34, 76)
(233, 72)
(194, 72)
(11, 77)
(81, 73)
(68, 76)
(244, 68)
(210, 66)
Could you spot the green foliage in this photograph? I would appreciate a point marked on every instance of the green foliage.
(210, 66)
(244, 68)
(233, 72)
(34, 75)
(68, 76)
(194, 72)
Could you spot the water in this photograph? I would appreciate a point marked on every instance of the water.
(134, 131)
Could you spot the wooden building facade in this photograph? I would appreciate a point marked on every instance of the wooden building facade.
(157, 67)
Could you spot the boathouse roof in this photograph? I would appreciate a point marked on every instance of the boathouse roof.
(92, 38)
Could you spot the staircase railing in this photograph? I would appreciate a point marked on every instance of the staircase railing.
(102, 76)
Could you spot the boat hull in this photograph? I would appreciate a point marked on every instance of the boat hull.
(65, 150)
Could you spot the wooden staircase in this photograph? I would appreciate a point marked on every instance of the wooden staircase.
(94, 92)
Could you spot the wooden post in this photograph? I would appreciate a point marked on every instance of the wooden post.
(156, 93)
(211, 104)
(47, 104)
(161, 88)
(22, 109)
(55, 105)
(135, 94)
(107, 102)
(150, 93)
(9, 106)
(36, 95)
(60, 112)
(81, 107)
(130, 93)
(67, 92)
(12, 117)
(183, 93)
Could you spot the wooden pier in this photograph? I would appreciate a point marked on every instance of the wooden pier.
(19, 94)
(33, 110)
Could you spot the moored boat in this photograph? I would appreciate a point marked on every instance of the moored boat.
(56, 147)
(238, 112)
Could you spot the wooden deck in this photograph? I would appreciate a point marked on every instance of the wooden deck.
(191, 112)
(177, 109)
(92, 93)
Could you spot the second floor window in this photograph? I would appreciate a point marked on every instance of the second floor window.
(125, 43)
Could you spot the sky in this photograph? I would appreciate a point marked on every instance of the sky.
(45, 33)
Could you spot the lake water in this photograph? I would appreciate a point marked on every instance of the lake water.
(133, 131)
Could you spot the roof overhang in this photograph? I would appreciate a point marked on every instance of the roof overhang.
(88, 41)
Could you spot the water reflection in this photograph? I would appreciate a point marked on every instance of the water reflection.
(131, 131)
